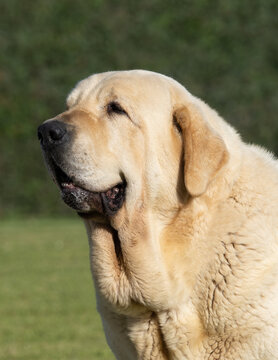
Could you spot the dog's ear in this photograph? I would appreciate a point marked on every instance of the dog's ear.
(205, 152)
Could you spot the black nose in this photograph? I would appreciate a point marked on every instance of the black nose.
(52, 133)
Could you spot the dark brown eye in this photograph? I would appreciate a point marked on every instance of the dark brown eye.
(115, 108)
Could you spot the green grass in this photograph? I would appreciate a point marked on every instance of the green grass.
(47, 303)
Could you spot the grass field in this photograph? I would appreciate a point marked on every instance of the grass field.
(47, 304)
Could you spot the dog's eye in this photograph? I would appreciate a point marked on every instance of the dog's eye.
(115, 108)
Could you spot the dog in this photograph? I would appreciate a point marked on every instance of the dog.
(181, 217)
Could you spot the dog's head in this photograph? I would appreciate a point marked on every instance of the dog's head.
(131, 139)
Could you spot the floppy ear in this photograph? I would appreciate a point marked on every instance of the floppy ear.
(204, 150)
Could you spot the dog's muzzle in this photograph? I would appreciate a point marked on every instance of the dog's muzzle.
(56, 138)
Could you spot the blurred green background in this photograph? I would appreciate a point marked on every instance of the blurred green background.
(47, 302)
(225, 52)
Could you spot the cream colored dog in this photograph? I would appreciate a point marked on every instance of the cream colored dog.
(181, 215)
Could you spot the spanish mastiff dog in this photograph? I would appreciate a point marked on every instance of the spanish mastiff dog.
(181, 216)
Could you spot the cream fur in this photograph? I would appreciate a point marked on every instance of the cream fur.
(196, 277)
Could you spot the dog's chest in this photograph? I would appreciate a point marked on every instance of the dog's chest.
(185, 338)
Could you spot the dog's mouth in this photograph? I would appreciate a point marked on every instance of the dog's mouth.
(106, 202)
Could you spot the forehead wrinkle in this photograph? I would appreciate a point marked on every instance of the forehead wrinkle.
(85, 88)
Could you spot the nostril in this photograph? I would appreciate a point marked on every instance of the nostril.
(39, 136)
(56, 133)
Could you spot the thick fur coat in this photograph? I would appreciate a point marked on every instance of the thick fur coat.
(187, 267)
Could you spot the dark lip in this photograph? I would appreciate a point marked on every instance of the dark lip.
(59, 175)
(106, 202)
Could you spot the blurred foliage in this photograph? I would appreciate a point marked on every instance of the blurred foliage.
(225, 52)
